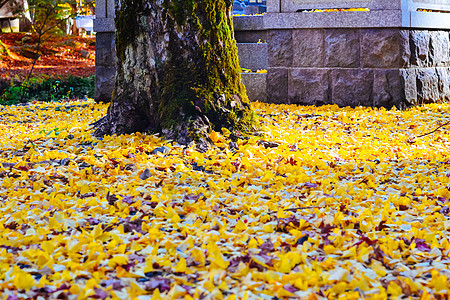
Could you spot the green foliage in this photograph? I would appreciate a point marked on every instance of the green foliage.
(12, 95)
(49, 15)
(48, 89)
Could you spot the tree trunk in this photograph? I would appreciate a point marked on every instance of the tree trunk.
(177, 72)
(73, 24)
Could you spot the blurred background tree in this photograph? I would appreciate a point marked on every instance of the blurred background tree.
(58, 16)
(51, 17)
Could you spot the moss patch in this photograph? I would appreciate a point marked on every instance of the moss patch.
(127, 27)
(210, 83)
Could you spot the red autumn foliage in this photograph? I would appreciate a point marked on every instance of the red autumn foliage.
(61, 55)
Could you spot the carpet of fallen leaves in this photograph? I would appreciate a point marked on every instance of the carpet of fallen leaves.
(60, 56)
(330, 203)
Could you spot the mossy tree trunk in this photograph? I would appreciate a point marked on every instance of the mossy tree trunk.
(178, 71)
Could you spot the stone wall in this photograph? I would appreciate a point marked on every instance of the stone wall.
(284, 6)
(392, 54)
(249, 29)
(351, 67)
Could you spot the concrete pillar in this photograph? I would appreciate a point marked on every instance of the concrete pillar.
(105, 55)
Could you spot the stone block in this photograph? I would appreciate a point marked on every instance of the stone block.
(246, 23)
(256, 86)
(100, 9)
(409, 82)
(104, 83)
(254, 9)
(386, 88)
(294, 5)
(339, 19)
(405, 48)
(420, 48)
(352, 87)
(443, 75)
(273, 6)
(277, 85)
(308, 47)
(105, 49)
(253, 56)
(280, 48)
(385, 48)
(252, 36)
(406, 9)
(394, 87)
(342, 48)
(439, 48)
(110, 9)
(104, 25)
(309, 86)
(427, 86)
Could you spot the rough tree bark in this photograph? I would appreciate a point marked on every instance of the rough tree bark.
(178, 71)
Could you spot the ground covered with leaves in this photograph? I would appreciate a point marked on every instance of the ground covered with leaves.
(330, 203)
(61, 56)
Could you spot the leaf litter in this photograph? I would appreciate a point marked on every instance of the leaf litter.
(330, 203)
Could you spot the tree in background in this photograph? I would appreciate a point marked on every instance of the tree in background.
(48, 16)
(82, 7)
(178, 71)
(51, 15)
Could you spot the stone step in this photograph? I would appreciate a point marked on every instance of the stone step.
(256, 84)
(249, 29)
(253, 56)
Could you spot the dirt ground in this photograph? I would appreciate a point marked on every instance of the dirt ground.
(60, 56)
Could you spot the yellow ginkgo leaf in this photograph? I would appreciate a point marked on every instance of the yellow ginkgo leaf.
(181, 266)
(23, 281)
